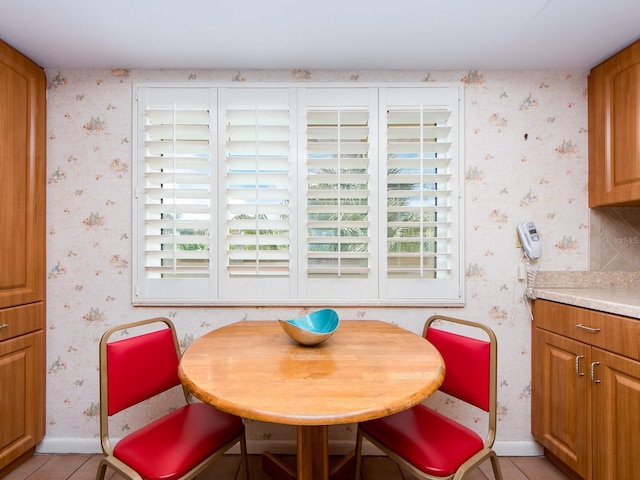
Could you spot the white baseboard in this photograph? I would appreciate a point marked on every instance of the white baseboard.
(69, 445)
(529, 448)
(284, 447)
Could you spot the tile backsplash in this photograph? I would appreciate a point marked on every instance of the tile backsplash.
(614, 239)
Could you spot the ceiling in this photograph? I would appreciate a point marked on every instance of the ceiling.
(320, 34)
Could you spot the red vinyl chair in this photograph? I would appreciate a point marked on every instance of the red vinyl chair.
(430, 444)
(178, 445)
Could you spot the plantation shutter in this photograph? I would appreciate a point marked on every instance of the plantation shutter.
(423, 190)
(298, 194)
(174, 208)
(339, 260)
(255, 126)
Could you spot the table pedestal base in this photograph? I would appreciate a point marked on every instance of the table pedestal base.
(312, 461)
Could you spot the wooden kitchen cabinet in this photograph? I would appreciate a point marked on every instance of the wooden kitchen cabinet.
(22, 256)
(586, 390)
(614, 130)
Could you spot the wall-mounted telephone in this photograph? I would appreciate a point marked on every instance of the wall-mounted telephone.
(530, 240)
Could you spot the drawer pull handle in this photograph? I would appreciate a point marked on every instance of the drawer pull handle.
(593, 372)
(4, 325)
(588, 329)
(578, 358)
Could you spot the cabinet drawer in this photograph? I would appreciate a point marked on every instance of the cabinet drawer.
(17, 321)
(611, 332)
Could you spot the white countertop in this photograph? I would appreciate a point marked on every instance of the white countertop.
(619, 301)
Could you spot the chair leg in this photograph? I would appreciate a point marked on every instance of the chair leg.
(244, 458)
(495, 464)
(358, 454)
(102, 469)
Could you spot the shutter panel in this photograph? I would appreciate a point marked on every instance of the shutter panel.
(337, 132)
(174, 190)
(338, 191)
(422, 190)
(418, 190)
(256, 192)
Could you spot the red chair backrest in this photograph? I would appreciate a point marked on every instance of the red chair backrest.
(468, 366)
(140, 367)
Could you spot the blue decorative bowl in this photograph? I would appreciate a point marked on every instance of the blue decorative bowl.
(312, 329)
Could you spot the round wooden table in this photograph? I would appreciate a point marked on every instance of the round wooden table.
(367, 369)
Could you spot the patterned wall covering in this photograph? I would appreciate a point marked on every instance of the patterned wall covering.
(526, 159)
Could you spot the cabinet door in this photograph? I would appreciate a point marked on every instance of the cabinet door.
(614, 130)
(22, 395)
(22, 183)
(561, 404)
(616, 417)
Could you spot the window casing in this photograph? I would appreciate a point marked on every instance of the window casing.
(341, 195)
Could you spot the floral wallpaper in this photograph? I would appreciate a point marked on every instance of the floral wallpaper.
(525, 159)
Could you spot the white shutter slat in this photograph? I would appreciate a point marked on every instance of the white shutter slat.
(256, 148)
(264, 224)
(440, 162)
(344, 209)
(347, 163)
(178, 208)
(178, 147)
(264, 179)
(417, 178)
(410, 115)
(191, 116)
(263, 133)
(168, 131)
(333, 148)
(344, 225)
(253, 194)
(328, 116)
(270, 255)
(240, 241)
(414, 133)
(177, 224)
(244, 113)
(170, 194)
(177, 178)
(179, 239)
(184, 161)
(335, 240)
(179, 254)
(277, 209)
(331, 134)
(278, 162)
(413, 148)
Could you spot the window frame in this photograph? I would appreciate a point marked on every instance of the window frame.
(297, 152)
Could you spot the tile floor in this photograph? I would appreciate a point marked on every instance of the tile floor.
(83, 467)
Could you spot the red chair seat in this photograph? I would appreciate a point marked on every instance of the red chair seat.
(429, 441)
(172, 445)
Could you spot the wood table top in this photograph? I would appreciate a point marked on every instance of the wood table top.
(367, 369)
